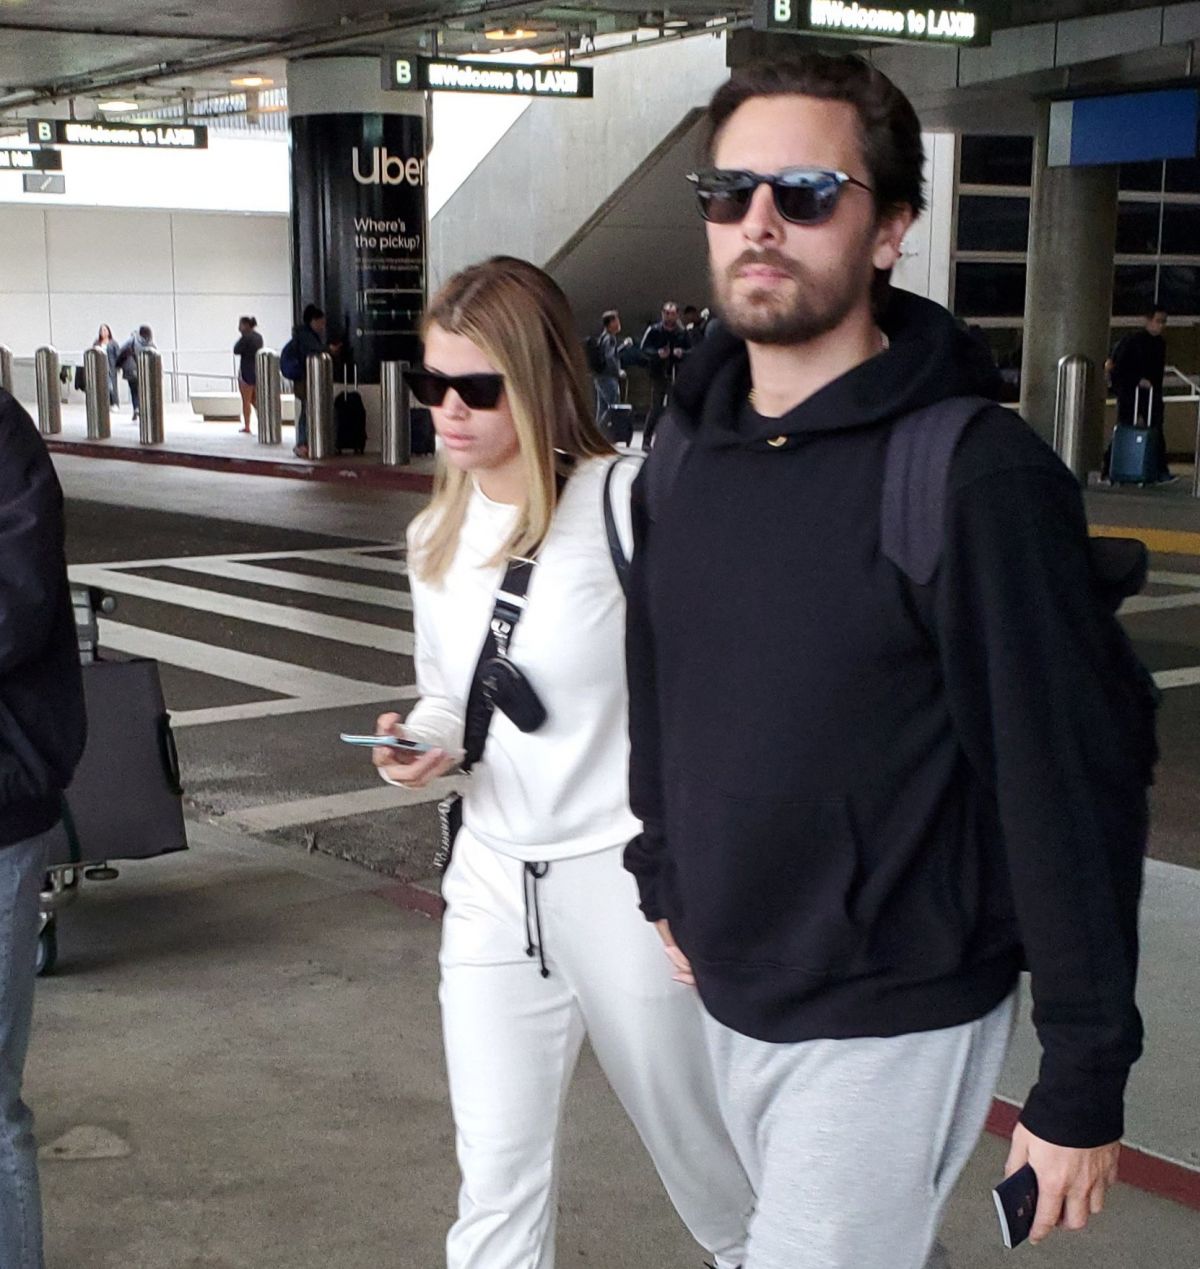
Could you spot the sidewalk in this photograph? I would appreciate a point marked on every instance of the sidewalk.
(239, 1067)
(220, 446)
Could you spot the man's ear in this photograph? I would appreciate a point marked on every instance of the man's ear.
(889, 235)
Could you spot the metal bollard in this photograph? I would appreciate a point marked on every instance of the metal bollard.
(397, 435)
(319, 406)
(49, 399)
(6, 368)
(150, 396)
(267, 399)
(1070, 411)
(95, 375)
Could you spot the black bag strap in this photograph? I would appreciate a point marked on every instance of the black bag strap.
(616, 549)
(509, 605)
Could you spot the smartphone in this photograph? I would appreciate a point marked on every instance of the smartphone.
(389, 742)
(1016, 1205)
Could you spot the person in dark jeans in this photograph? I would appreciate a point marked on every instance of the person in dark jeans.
(308, 338)
(1138, 367)
(127, 358)
(42, 730)
(664, 345)
(608, 382)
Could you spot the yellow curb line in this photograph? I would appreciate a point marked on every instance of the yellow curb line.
(1160, 541)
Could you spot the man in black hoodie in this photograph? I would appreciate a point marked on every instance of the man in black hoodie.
(870, 797)
(42, 729)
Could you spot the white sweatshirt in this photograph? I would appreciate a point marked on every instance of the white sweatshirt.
(563, 790)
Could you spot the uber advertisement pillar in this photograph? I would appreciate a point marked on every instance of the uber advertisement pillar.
(358, 230)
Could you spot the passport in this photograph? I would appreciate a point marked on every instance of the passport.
(1016, 1202)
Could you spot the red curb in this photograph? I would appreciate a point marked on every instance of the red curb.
(412, 899)
(375, 477)
(1140, 1169)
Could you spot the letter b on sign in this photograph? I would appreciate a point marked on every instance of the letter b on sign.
(404, 72)
(781, 10)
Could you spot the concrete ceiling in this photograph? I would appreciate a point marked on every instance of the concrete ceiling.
(57, 49)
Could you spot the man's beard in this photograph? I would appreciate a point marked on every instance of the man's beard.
(762, 316)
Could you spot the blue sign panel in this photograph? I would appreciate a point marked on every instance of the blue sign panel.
(1129, 128)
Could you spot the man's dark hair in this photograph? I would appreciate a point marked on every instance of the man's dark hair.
(311, 314)
(1153, 311)
(888, 125)
(145, 332)
(609, 315)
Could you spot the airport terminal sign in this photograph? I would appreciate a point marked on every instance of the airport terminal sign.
(30, 160)
(850, 20)
(157, 136)
(433, 74)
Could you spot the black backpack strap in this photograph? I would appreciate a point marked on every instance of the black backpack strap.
(616, 549)
(920, 448)
(672, 445)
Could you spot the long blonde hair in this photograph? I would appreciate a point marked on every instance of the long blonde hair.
(519, 318)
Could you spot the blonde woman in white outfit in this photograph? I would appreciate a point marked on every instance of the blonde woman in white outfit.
(542, 941)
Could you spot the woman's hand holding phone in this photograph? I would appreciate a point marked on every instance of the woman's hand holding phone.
(413, 770)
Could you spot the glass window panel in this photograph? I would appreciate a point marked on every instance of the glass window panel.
(1183, 176)
(1179, 289)
(1133, 289)
(1142, 176)
(996, 160)
(1181, 230)
(1137, 228)
(989, 290)
(987, 223)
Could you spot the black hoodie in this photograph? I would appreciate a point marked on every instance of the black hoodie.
(866, 802)
(42, 719)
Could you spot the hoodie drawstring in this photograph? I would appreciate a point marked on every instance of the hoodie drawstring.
(530, 876)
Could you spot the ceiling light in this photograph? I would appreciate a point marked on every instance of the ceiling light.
(116, 107)
(252, 81)
(519, 34)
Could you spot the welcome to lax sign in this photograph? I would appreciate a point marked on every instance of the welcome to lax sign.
(851, 20)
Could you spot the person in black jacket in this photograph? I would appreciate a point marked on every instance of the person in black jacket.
(42, 730)
(1139, 364)
(664, 346)
(868, 797)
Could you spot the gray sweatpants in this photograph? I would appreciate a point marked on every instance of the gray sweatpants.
(853, 1146)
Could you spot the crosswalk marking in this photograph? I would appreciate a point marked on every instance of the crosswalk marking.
(336, 806)
(305, 583)
(297, 620)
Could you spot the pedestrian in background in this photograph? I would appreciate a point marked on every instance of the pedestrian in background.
(664, 345)
(142, 340)
(542, 943)
(108, 345)
(307, 338)
(246, 350)
(42, 731)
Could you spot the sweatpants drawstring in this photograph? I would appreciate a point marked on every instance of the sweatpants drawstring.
(532, 874)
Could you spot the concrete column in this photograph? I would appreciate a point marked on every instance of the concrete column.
(1069, 286)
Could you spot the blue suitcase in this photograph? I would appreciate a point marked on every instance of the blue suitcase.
(1134, 456)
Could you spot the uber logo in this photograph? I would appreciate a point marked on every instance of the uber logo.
(387, 169)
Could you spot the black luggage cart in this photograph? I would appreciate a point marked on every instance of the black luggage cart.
(125, 801)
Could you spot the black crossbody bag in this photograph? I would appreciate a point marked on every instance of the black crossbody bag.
(496, 684)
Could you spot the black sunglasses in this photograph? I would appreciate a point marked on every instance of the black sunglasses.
(477, 392)
(803, 195)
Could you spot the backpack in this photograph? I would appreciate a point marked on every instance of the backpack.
(291, 364)
(594, 354)
(916, 473)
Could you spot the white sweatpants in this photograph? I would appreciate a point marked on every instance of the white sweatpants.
(853, 1146)
(513, 1037)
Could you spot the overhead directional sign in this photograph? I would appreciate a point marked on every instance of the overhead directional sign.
(921, 24)
(524, 79)
(30, 160)
(158, 136)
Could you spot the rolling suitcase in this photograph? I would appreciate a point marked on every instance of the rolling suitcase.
(618, 424)
(349, 418)
(420, 423)
(125, 801)
(1135, 458)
